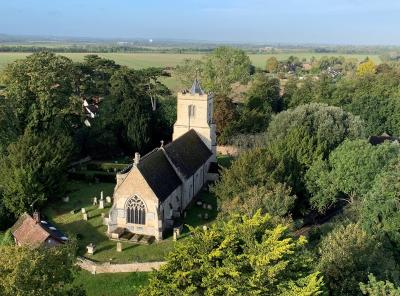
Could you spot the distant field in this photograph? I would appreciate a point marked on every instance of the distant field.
(144, 60)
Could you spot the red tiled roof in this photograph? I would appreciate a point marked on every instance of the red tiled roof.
(28, 232)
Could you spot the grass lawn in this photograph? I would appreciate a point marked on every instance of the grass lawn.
(115, 284)
(93, 231)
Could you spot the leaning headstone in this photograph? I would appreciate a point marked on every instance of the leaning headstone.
(119, 247)
(108, 199)
(94, 201)
(91, 248)
(85, 216)
(101, 204)
(83, 210)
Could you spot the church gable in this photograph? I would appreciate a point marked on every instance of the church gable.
(188, 153)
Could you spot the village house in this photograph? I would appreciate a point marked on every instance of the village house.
(35, 232)
(152, 193)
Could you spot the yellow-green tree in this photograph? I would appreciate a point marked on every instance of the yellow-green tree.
(40, 272)
(272, 65)
(366, 68)
(244, 256)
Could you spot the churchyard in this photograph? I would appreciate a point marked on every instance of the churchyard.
(81, 194)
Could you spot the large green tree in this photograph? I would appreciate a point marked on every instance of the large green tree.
(131, 105)
(40, 272)
(40, 94)
(380, 211)
(34, 170)
(244, 256)
(348, 254)
(218, 70)
(349, 172)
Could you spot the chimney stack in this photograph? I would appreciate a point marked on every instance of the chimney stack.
(36, 216)
(136, 159)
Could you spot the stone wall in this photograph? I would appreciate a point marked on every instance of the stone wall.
(227, 150)
(94, 267)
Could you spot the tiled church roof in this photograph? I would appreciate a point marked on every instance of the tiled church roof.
(159, 173)
(188, 153)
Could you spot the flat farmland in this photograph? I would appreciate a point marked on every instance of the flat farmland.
(144, 60)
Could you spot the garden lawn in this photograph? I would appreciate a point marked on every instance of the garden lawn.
(115, 284)
(93, 231)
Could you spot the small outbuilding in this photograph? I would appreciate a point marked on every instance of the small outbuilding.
(35, 232)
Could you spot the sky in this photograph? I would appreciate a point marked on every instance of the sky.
(359, 22)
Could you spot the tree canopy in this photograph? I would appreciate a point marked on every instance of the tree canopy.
(244, 256)
(39, 272)
(349, 172)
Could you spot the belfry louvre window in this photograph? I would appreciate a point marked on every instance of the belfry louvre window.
(192, 111)
(135, 211)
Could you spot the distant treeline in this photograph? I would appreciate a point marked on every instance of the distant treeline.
(99, 49)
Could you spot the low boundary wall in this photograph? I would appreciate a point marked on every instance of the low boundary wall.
(107, 267)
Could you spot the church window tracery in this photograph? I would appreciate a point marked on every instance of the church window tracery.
(135, 211)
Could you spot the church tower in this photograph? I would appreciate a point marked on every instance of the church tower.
(194, 111)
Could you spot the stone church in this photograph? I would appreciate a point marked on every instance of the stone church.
(154, 191)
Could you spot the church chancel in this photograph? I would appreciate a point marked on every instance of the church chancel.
(154, 191)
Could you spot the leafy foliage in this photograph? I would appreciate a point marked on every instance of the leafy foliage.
(244, 256)
(40, 272)
(380, 212)
(33, 170)
(348, 173)
(348, 254)
(375, 287)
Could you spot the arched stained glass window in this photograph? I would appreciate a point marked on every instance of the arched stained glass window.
(135, 211)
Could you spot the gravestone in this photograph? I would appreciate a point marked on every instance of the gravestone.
(205, 227)
(85, 216)
(103, 215)
(94, 201)
(108, 199)
(66, 199)
(209, 207)
(175, 236)
(101, 195)
(204, 206)
(83, 210)
(101, 204)
(119, 247)
(206, 216)
(91, 248)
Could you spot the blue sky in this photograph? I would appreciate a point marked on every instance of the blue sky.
(265, 21)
